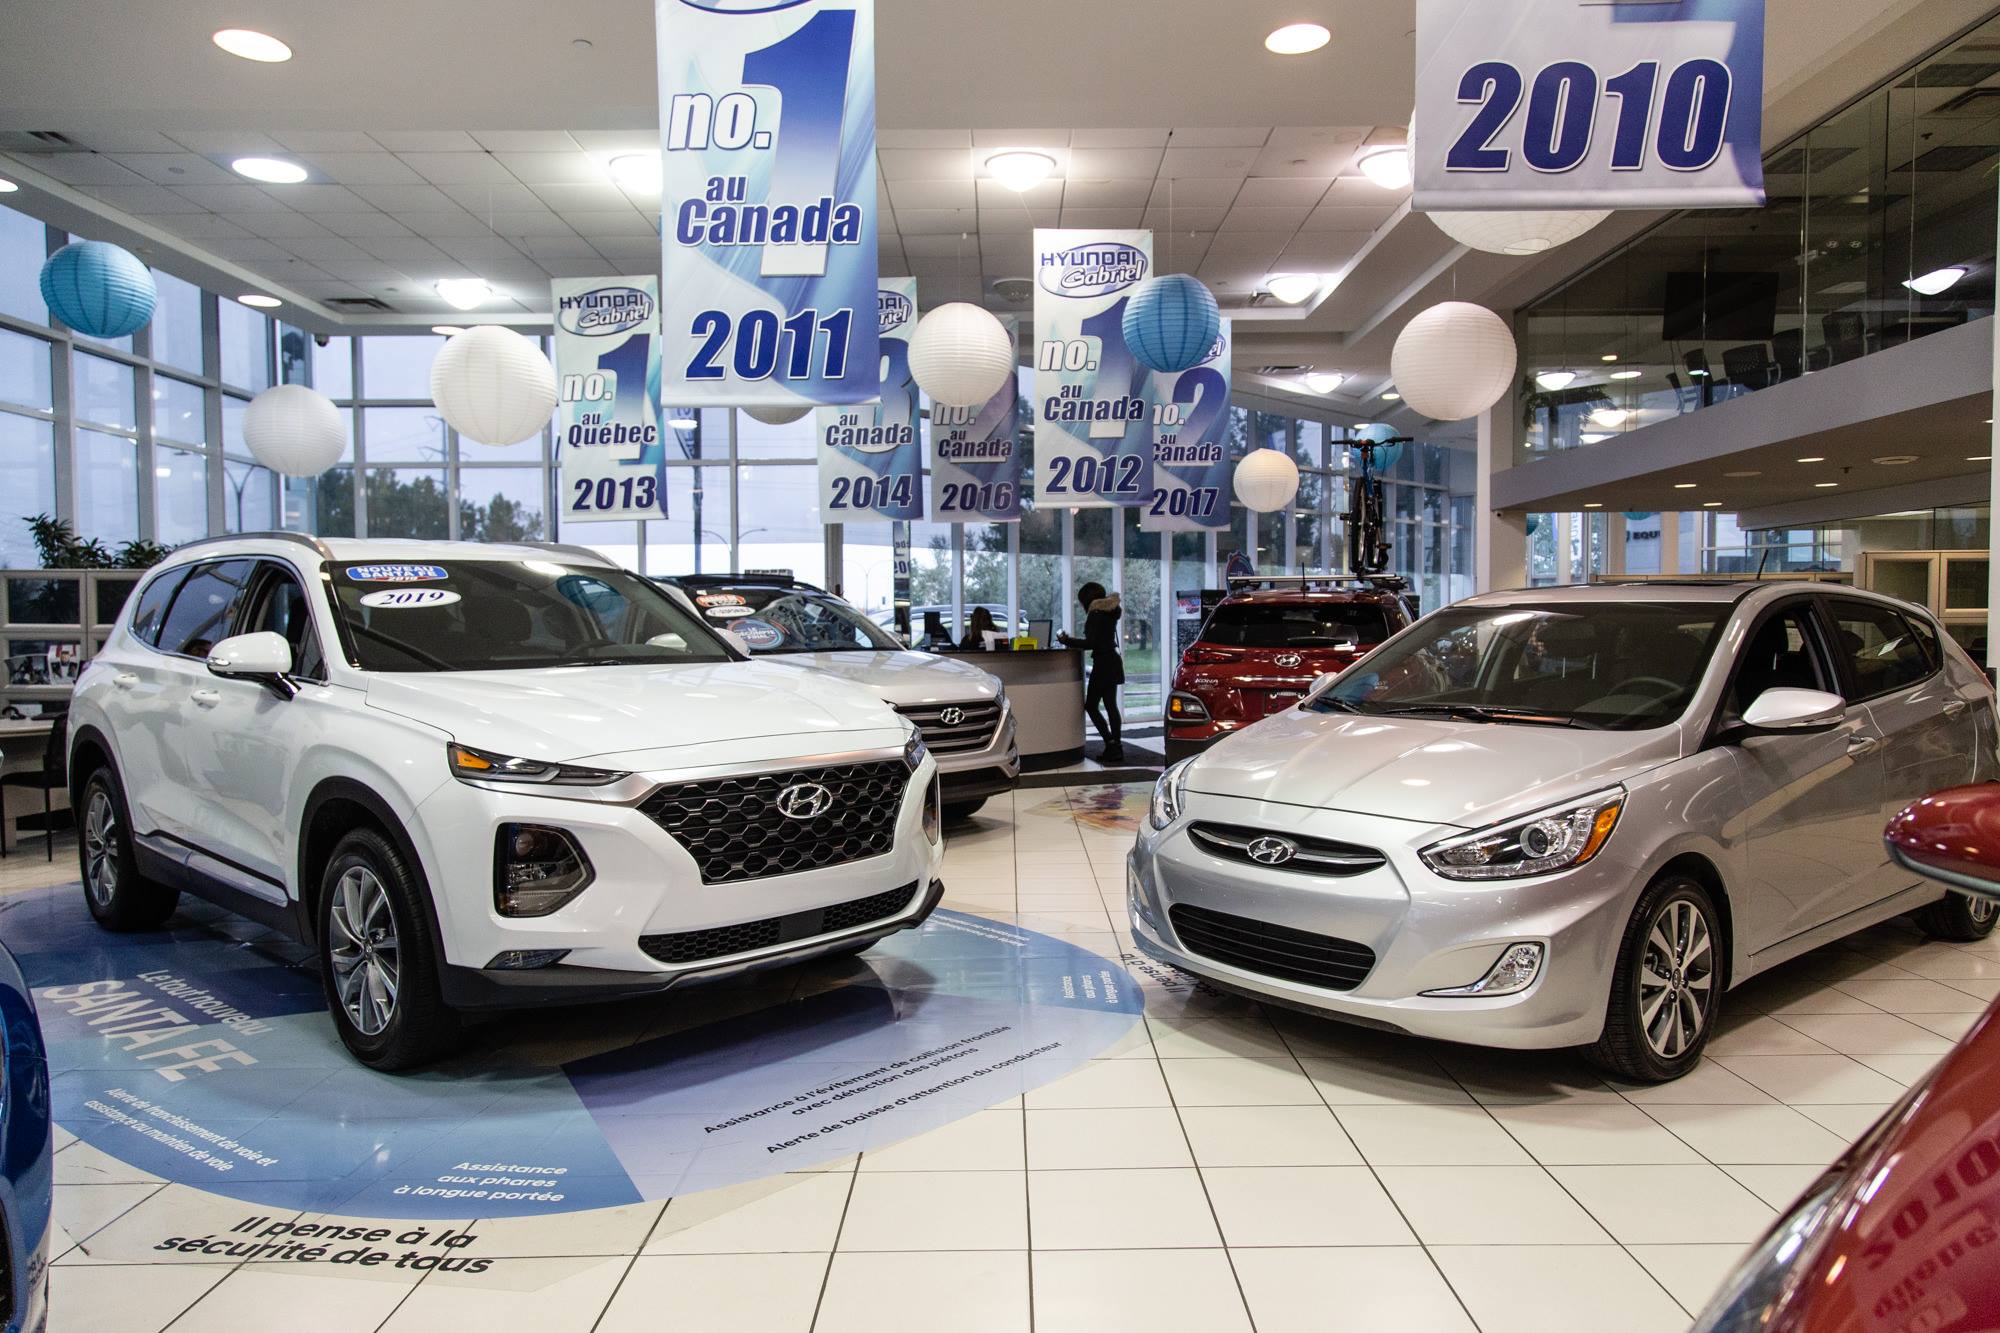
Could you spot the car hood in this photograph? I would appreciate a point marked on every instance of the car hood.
(1431, 771)
(903, 678)
(567, 714)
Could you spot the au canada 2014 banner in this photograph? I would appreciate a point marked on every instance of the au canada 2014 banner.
(976, 457)
(871, 458)
(607, 357)
(1093, 410)
(1585, 104)
(767, 148)
(1190, 490)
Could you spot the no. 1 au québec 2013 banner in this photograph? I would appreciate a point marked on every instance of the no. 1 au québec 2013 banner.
(607, 358)
(767, 149)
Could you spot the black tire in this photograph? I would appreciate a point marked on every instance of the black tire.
(957, 812)
(1958, 917)
(372, 927)
(1643, 1040)
(118, 896)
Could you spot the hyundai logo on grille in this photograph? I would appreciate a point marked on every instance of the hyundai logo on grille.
(804, 800)
(1272, 851)
(951, 717)
(1287, 660)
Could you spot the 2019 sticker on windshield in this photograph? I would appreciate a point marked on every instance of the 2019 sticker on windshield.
(397, 573)
(404, 599)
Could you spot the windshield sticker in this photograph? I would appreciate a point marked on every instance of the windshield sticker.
(761, 635)
(397, 573)
(720, 599)
(403, 599)
(727, 612)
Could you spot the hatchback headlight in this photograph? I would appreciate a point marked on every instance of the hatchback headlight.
(1560, 838)
(470, 765)
(1166, 806)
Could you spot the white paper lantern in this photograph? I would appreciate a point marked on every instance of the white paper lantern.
(1453, 361)
(780, 416)
(493, 386)
(294, 430)
(961, 354)
(1515, 233)
(1267, 480)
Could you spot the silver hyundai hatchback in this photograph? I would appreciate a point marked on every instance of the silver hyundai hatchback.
(1570, 816)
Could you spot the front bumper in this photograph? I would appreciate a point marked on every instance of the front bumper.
(1426, 933)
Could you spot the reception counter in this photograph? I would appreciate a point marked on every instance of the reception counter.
(1045, 687)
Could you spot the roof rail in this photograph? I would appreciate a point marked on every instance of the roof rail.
(772, 579)
(317, 546)
(1386, 582)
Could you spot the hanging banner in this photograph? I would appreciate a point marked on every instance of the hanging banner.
(609, 448)
(871, 458)
(1093, 415)
(1190, 490)
(1582, 104)
(767, 142)
(976, 456)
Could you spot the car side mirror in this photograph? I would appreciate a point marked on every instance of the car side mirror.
(1949, 836)
(264, 657)
(1323, 680)
(1784, 711)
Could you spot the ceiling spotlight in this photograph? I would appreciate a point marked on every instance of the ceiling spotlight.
(1292, 288)
(1610, 416)
(1979, 458)
(261, 301)
(1683, 485)
(1814, 459)
(1554, 380)
(1936, 281)
(252, 45)
(638, 172)
(7, 186)
(1594, 504)
(1608, 356)
(1625, 374)
(1711, 504)
(446, 330)
(1387, 167)
(1020, 168)
(1392, 397)
(270, 170)
(1825, 485)
(1324, 381)
(1296, 39)
(464, 293)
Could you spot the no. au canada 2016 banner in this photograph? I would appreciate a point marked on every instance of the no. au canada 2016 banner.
(1582, 104)
(976, 456)
(1093, 410)
(871, 458)
(767, 144)
(1191, 484)
(607, 359)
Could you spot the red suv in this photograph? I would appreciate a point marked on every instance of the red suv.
(1266, 642)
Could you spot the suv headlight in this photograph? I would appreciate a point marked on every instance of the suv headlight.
(1166, 806)
(1560, 838)
(470, 765)
(914, 751)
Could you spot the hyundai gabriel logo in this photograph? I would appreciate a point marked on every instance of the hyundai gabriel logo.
(1288, 660)
(1271, 851)
(804, 800)
(951, 717)
(604, 311)
(892, 310)
(1095, 269)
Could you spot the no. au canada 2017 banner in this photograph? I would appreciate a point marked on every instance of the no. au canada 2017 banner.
(1191, 484)
(767, 148)
(871, 458)
(1583, 104)
(1093, 410)
(976, 456)
(607, 360)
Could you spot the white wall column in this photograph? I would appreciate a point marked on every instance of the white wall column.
(1499, 541)
(1670, 543)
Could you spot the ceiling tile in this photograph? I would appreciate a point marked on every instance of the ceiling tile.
(1183, 218)
(403, 249)
(927, 221)
(122, 141)
(1044, 198)
(322, 250)
(425, 141)
(1114, 163)
(201, 225)
(1102, 217)
(407, 198)
(1219, 138)
(525, 141)
(363, 269)
(925, 164)
(360, 224)
(509, 195)
(1106, 194)
(1020, 138)
(530, 222)
(1323, 251)
(326, 141)
(581, 266)
(1118, 138)
(231, 199)
(143, 200)
(318, 198)
(282, 225)
(1211, 193)
(455, 223)
(460, 168)
(377, 168)
(626, 222)
(1286, 191)
(176, 168)
(1244, 218)
(572, 168)
(615, 143)
(479, 247)
(1308, 151)
(1213, 163)
(1359, 191)
(247, 250)
(630, 254)
(1329, 217)
(599, 196)
(83, 168)
(227, 143)
(933, 194)
(960, 139)
(1260, 245)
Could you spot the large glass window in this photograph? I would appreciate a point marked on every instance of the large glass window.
(176, 323)
(178, 411)
(24, 371)
(107, 487)
(180, 496)
(27, 484)
(104, 392)
(397, 367)
(500, 504)
(246, 346)
(24, 247)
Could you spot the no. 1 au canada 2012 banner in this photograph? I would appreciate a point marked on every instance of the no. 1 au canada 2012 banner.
(1093, 429)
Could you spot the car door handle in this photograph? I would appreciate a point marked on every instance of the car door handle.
(210, 698)
(1954, 708)
(1861, 745)
(125, 680)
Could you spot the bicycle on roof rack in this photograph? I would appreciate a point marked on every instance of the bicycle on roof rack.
(1367, 549)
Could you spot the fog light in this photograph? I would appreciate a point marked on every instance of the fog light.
(1515, 972)
(536, 869)
(933, 810)
(524, 960)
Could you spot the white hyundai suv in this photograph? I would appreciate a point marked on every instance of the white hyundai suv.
(481, 777)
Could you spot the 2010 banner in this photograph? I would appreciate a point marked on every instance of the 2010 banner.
(871, 458)
(609, 447)
(1093, 411)
(1588, 105)
(767, 143)
(976, 457)
(1191, 464)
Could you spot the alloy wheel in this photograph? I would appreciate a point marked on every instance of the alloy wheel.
(1676, 978)
(1981, 909)
(100, 849)
(363, 950)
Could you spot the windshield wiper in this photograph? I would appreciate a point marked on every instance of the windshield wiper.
(1487, 713)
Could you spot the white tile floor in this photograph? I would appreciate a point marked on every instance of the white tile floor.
(1224, 1168)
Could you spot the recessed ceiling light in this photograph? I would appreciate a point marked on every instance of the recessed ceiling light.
(1684, 485)
(261, 301)
(7, 186)
(1392, 397)
(1814, 459)
(639, 172)
(1608, 356)
(1895, 460)
(683, 423)
(1936, 281)
(1296, 39)
(1292, 288)
(1554, 380)
(1324, 381)
(1020, 168)
(1825, 485)
(464, 293)
(1387, 167)
(1594, 504)
(270, 170)
(1610, 416)
(252, 45)
(1979, 458)
(1711, 504)
(447, 330)
(1626, 374)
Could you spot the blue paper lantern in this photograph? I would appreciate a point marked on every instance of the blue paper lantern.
(98, 289)
(1386, 456)
(1171, 323)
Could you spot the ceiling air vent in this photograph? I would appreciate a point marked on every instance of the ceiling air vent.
(1014, 291)
(1971, 102)
(37, 141)
(360, 303)
(1284, 370)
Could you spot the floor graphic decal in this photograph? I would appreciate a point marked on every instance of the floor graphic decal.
(1111, 808)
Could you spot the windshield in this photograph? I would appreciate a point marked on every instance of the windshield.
(1296, 625)
(500, 615)
(788, 620)
(1626, 666)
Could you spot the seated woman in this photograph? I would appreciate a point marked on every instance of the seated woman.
(980, 625)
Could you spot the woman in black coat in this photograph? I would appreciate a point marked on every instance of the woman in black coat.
(1107, 669)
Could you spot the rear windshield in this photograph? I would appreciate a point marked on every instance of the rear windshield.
(500, 615)
(1298, 625)
(786, 620)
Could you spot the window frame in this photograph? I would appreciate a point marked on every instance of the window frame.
(235, 608)
(1851, 681)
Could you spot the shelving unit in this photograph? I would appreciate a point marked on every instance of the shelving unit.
(51, 622)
